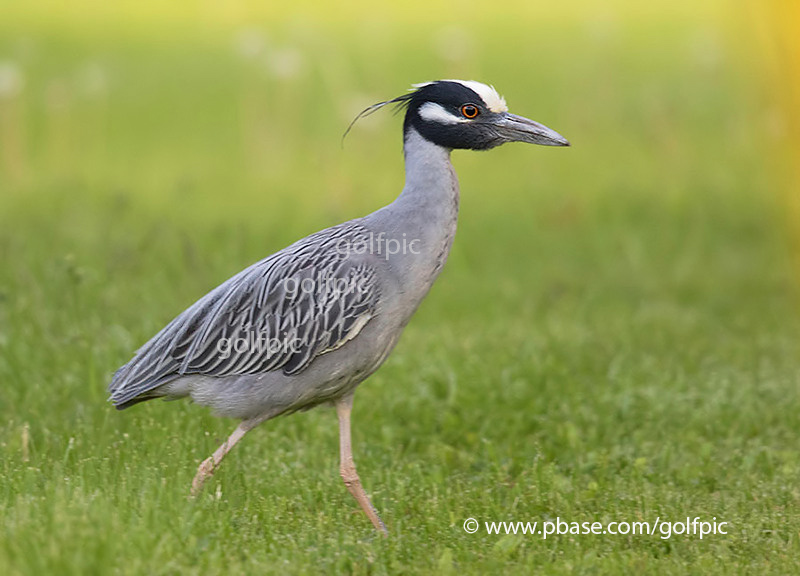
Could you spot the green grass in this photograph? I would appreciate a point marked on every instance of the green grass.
(615, 337)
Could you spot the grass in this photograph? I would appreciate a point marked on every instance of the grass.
(615, 337)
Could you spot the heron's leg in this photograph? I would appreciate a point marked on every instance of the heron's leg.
(210, 464)
(347, 466)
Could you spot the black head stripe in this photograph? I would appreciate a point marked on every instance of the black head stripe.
(450, 95)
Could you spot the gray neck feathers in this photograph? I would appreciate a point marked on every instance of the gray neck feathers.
(430, 180)
(426, 211)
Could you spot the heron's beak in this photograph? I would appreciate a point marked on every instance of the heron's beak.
(519, 129)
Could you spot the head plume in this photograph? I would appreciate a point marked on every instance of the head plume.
(401, 102)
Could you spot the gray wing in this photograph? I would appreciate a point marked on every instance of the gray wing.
(278, 314)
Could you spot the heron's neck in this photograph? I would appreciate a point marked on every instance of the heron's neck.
(427, 208)
(422, 220)
(431, 183)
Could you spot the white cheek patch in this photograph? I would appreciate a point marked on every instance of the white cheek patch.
(432, 112)
(488, 94)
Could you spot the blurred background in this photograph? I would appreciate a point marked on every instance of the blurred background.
(595, 296)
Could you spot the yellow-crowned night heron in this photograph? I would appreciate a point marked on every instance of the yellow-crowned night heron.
(306, 325)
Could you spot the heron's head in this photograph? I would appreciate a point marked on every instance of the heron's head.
(468, 115)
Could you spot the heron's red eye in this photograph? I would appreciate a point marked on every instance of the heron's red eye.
(469, 111)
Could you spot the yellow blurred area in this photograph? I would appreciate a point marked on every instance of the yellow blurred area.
(616, 68)
(778, 22)
(102, 17)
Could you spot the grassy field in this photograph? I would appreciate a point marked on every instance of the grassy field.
(615, 338)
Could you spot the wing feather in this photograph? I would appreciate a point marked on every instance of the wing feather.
(311, 297)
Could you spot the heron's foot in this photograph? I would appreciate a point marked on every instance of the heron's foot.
(380, 526)
(353, 484)
(204, 472)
